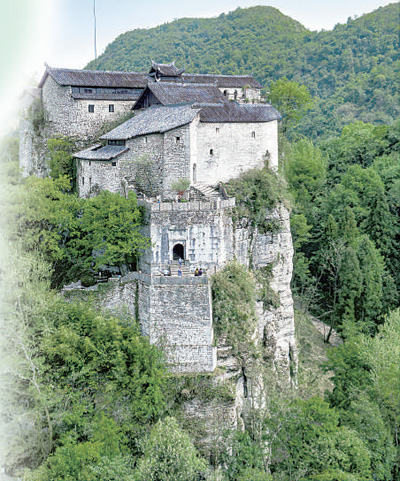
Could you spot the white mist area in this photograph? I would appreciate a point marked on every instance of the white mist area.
(21, 69)
(25, 27)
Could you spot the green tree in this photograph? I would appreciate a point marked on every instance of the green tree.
(305, 171)
(61, 162)
(169, 455)
(291, 99)
(364, 416)
(107, 232)
(313, 445)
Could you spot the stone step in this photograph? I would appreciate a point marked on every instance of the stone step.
(208, 191)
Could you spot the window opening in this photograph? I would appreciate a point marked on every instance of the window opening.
(217, 130)
(225, 93)
(91, 108)
(194, 173)
(211, 152)
(235, 95)
(177, 139)
(83, 180)
(113, 164)
(111, 108)
(253, 134)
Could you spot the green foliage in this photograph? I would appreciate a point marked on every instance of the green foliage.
(169, 455)
(364, 416)
(256, 192)
(367, 392)
(305, 171)
(314, 446)
(37, 116)
(180, 186)
(61, 162)
(107, 231)
(351, 371)
(97, 360)
(233, 297)
(77, 236)
(291, 99)
(246, 459)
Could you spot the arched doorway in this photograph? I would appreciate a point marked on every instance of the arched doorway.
(178, 252)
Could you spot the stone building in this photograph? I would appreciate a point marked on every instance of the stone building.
(200, 129)
(77, 103)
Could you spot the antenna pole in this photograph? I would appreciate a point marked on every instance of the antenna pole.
(95, 31)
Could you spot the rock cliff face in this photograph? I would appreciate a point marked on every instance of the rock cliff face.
(274, 336)
(238, 375)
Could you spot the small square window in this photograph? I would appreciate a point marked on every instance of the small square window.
(91, 108)
(114, 164)
(111, 108)
(177, 139)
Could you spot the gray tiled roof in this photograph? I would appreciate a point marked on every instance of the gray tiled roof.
(222, 81)
(166, 69)
(233, 112)
(98, 78)
(97, 152)
(155, 119)
(177, 93)
(93, 78)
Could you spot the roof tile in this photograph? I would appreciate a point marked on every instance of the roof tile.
(155, 119)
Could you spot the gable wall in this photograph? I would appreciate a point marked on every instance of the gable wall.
(71, 117)
(234, 148)
(176, 162)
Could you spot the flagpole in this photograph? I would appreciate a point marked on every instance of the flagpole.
(95, 28)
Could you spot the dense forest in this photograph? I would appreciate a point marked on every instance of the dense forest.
(352, 72)
(87, 398)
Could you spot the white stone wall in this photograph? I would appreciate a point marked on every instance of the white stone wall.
(71, 117)
(204, 229)
(225, 150)
(251, 95)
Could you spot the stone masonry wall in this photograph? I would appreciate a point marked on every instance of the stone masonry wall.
(225, 150)
(242, 95)
(121, 176)
(176, 158)
(203, 228)
(71, 117)
(175, 313)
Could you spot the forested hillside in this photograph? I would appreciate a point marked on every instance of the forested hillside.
(352, 71)
(87, 398)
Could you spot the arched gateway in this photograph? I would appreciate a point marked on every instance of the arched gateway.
(178, 252)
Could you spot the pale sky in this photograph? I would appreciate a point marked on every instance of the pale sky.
(60, 32)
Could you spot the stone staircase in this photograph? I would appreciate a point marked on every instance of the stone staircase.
(174, 266)
(204, 192)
